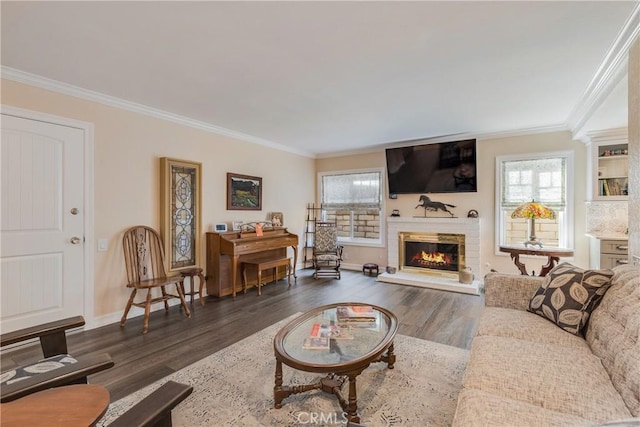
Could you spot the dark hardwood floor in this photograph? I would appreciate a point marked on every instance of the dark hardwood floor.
(173, 341)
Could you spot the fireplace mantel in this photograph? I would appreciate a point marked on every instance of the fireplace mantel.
(470, 227)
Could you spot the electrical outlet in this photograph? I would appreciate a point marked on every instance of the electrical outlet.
(103, 245)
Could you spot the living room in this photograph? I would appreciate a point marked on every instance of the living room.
(133, 137)
(125, 139)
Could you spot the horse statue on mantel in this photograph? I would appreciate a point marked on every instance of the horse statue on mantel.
(430, 205)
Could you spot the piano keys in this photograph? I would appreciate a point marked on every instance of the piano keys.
(226, 251)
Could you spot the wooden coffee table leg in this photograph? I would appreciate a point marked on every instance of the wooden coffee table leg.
(391, 357)
(278, 393)
(352, 408)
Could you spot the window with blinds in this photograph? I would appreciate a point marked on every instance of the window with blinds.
(543, 178)
(354, 201)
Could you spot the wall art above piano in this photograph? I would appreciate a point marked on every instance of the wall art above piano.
(244, 192)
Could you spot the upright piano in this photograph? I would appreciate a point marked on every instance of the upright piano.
(226, 252)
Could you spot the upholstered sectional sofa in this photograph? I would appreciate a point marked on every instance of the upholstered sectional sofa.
(525, 370)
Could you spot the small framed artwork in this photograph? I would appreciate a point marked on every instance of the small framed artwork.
(244, 192)
(277, 219)
(237, 225)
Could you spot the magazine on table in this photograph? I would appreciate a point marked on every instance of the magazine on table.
(316, 343)
(352, 325)
(356, 313)
(325, 330)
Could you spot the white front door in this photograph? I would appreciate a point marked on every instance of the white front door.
(42, 224)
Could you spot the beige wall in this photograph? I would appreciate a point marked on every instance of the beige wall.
(483, 201)
(128, 146)
(634, 149)
(127, 151)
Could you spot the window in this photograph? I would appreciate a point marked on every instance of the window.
(354, 201)
(543, 177)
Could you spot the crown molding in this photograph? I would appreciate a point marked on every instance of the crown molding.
(607, 135)
(560, 127)
(611, 71)
(111, 101)
(452, 137)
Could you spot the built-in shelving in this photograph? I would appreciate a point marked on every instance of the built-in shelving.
(610, 165)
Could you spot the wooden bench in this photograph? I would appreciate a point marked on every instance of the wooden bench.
(53, 341)
(265, 264)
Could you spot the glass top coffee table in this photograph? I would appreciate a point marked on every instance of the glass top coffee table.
(349, 348)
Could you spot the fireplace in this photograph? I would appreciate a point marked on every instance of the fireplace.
(468, 230)
(438, 254)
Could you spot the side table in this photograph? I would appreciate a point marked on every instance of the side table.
(72, 405)
(553, 256)
(192, 273)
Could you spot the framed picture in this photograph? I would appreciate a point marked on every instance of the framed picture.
(236, 225)
(277, 219)
(244, 192)
(180, 218)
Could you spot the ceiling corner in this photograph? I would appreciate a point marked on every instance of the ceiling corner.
(612, 70)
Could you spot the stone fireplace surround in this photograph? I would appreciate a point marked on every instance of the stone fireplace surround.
(470, 227)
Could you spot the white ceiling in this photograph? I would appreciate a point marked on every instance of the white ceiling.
(327, 77)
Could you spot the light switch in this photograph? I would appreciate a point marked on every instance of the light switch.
(103, 245)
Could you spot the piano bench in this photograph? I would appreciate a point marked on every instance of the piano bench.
(265, 264)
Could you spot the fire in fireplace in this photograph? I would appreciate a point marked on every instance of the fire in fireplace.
(432, 253)
(431, 258)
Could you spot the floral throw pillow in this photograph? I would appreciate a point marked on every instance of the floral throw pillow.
(569, 294)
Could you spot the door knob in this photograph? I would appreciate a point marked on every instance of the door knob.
(75, 240)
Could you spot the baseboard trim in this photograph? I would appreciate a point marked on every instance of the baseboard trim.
(108, 319)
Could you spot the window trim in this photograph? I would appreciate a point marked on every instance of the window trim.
(568, 230)
(379, 243)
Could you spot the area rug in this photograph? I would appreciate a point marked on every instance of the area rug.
(234, 387)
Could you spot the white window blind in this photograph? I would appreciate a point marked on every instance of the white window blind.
(353, 190)
(353, 200)
(543, 177)
(542, 180)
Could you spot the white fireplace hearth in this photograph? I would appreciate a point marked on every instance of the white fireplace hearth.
(470, 227)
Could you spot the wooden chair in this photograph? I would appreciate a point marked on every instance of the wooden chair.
(53, 341)
(144, 259)
(327, 254)
(155, 409)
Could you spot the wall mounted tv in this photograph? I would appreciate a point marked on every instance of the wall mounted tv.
(445, 167)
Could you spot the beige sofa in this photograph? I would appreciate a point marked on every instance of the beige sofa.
(524, 370)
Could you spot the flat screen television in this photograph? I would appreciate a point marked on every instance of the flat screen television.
(445, 167)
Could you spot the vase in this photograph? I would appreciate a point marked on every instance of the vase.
(466, 275)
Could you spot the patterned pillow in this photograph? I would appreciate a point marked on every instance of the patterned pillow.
(569, 294)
